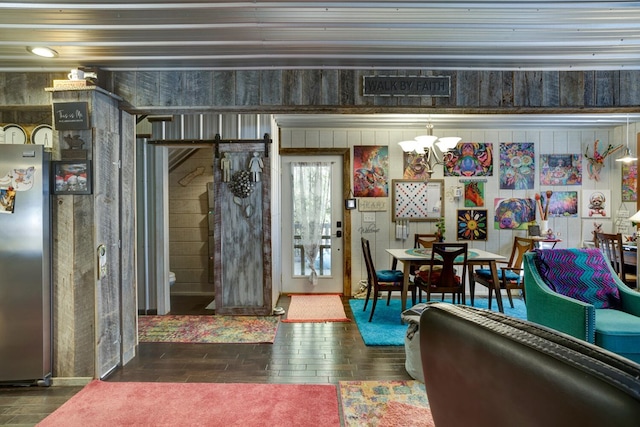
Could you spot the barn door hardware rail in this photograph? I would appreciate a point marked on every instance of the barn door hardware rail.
(216, 142)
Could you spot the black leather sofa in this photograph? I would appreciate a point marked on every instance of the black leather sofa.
(483, 368)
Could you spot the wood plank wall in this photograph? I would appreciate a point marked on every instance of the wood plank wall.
(189, 224)
(339, 91)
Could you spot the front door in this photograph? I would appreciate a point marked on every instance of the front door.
(329, 262)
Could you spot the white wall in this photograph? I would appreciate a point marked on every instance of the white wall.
(381, 233)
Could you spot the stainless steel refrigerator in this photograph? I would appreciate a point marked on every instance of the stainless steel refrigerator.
(25, 265)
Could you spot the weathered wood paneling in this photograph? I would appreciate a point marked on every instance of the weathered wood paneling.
(572, 92)
(88, 309)
(224, 88)
(242, 265)
(247, 88)
(550, 89)
(270, 87)
(128, 231)
(339, 90)
(608, 89)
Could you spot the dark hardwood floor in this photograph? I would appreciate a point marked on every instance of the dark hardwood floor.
(303, 353)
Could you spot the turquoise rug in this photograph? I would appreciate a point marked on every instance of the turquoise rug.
(386, 328)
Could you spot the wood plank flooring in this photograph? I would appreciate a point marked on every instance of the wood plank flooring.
(303, 353)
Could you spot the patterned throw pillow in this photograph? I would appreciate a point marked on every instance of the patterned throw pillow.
(581, 274)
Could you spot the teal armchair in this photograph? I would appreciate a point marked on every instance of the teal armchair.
(576, 291)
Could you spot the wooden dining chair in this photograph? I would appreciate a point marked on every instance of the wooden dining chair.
(424, 240)
(442, 276)
(381, 280)
(612, 247)
(510, 275)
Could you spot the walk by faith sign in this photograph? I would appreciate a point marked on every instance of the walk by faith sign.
(406, 86)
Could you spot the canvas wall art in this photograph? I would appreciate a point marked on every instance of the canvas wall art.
(561, 169)
(596, 203)
(416, 167)
(474, 194)
(514, 213)
(517, 165)
(370, 171)
(469, 159)
(562, 203)
(629, 182)
(472, 224)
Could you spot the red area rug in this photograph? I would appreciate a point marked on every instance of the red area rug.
(316, 308)
(208, 329)
(196, 404)
(385, 403)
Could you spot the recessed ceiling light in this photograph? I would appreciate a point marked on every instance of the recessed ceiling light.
(42, 51)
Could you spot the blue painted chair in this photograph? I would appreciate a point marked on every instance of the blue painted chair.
(576, 291)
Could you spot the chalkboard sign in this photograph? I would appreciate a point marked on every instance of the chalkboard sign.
(71, 115)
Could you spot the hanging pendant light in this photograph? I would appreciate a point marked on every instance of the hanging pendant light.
(423, 146)
(627, 158)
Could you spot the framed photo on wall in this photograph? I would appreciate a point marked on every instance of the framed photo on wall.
(417, 200)
(71, 177)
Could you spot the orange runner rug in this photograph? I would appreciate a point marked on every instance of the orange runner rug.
(316, 308)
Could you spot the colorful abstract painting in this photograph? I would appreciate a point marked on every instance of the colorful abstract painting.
(474, 194)
(596, 203)
(469, 159)
(562, 203)
(472, 224)
(629, 182)
(517, 165)
(416, 167)
(514, 213)
(561, 169)
(370, 171)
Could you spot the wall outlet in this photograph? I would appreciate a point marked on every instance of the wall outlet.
(369, 217)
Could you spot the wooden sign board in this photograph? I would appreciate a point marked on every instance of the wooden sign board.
(71, 115)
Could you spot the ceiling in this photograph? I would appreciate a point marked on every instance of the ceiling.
(196, 34)
(122, 35)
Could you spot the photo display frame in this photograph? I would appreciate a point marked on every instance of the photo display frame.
(417, 200)
(71, 177)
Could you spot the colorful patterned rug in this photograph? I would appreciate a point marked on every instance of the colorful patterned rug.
(385, 403)
(316, 308)
(208, 329)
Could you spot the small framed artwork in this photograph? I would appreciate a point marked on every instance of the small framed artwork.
(350, 204)
(596, 203)
(472, 224)
(71, 177)
(534, 231)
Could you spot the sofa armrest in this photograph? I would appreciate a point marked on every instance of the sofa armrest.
(483, 368)
(630, 299)
(553, 310)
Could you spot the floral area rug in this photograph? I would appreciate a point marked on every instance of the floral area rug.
(385, 404)
(208, 329)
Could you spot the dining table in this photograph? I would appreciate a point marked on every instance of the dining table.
(475, 257)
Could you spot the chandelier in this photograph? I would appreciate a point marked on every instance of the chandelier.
(422, 148)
